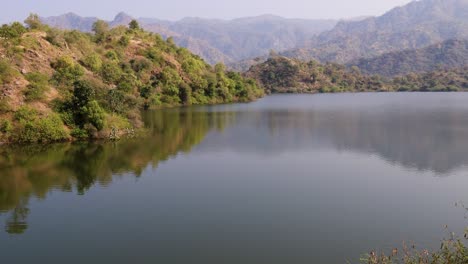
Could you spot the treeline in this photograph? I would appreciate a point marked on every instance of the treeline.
(283, 75)
(59, 85)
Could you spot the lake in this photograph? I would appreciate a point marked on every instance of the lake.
(286, 179)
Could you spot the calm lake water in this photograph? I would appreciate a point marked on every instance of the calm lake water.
(286, 179)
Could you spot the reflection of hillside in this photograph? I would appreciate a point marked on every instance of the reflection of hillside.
(431, 138)
(33, 171)
(436, 141)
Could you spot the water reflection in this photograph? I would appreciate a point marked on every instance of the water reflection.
(434, 141)
(33, 171)
(401, 130)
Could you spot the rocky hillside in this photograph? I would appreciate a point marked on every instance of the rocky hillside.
(218, 40)
(445, 55)
(416, 25)
(285, 75)
(57, 84)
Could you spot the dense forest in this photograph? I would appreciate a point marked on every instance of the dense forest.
(59, 85)
(283, 75)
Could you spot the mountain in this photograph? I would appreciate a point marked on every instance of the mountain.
(415, 25)
(448, 54)
(285, 75)
(70, 21)
(58, 85)
(218, 40)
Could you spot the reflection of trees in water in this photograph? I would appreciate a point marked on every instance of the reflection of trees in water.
(424, 140)
(33, 171)
(436, 141)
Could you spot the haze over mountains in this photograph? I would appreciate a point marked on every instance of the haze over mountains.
(448, 54)
(217, 40)
(416, 25)
(366, 42)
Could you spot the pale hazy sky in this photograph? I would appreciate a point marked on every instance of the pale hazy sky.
(176, 9)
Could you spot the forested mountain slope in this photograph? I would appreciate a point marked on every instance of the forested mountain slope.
(59, 84)
(285, 75)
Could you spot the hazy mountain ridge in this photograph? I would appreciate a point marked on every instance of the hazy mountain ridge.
(218, 40)
(448, 54)
(416, 25)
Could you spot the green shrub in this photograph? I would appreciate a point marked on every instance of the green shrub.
(55, 37)
(93, 62)
(66, 71)
(13, 31)
(124, 41)
(7, 73)
(112, 55)
(94, 114)
(111, 72)
(44, 129)
(79, 133)
(141, 64)
(25, 113)
(115, 100)
(38, 85)
(5, 126)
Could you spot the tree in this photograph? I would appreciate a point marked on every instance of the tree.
(85, 109)
(34, 22)
(13, 31)
(100, 29)
(134, 25)
(185, 93)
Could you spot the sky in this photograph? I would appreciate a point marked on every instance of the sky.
(17, 10)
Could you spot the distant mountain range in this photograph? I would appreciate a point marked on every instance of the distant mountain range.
(420, 36)
(415, 25)
(217, 40)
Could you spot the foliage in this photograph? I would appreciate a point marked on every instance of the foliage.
(111, 72)
(6, 126)
(33, 128)
(67, 71)
(84, 107)
(93, 62)
(34, 22)
(281, 74)
(132, 69)
(38, 85)
(100, 29)
(13, 31)
(7, 72)
(134, 25)
(451, 250)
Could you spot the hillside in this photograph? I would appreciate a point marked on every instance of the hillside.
(284, 75)
(448, 54)
(416, 25)
(218, 40)
(60, 85)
